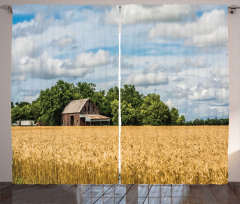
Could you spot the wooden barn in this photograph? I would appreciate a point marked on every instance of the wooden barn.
(82, 112)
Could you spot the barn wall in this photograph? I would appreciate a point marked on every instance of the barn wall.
(82, 121)
(66, 118)
(91, 111)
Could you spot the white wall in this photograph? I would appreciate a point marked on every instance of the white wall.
(234, 97)
(5, 96)
(5, 77)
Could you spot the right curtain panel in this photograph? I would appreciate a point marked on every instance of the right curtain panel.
(174, 95)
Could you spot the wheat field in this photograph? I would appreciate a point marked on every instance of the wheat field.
(175, 154)
(84, 155)
(65, 155)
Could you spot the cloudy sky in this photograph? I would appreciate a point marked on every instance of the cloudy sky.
(177, 51)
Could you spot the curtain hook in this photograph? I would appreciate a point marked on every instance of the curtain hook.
(8, 8)
(232, 9)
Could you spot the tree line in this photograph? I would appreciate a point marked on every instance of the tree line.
(137, 109)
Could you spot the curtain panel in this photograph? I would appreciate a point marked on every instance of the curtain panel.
(131, 95)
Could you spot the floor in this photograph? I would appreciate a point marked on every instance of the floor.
(44, 194)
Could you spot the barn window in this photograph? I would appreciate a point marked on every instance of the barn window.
(85, 108)
(88, 108)
(77, 121)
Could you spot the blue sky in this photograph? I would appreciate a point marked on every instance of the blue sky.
(17, 18)
(181, 55)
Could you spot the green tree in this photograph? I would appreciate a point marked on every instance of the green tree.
(21, 112)
(181, 120)
(21, 104)
(196, 121)
(174, 116)
(112, 94)
(131, 101)
(16, 114)
(129, 114)
(35, 110)
(86, 90)
(154, 111)
(114, 108)
(131, 96)
(102, 103)
(26, 112)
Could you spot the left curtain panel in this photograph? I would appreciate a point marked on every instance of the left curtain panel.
(64, 95)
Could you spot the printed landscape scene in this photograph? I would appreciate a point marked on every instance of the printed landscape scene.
(174, 94)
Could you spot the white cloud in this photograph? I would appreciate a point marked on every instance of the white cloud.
(209, 29)
(196, 63)
(45, 66)
(65, 41)
(204, 110)
(30, 99)
(147, 79)
(169, 103)
(180, 91)
(218, 111)
(26, 93)
(92, 59)
(188, 63)
(69, 47)
(37, 25)
(18, 77)
(181, 64)
(215, 87)
(134, 13)
(208, 93)
(219, 73)
(155, 68)
(22, 48)
(217, 37)
(82, 29)
(178, 79)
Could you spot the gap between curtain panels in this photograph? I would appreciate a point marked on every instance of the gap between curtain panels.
(119, 92)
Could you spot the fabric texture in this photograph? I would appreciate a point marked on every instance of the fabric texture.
(174, 94)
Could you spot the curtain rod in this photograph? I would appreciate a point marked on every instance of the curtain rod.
(231, 9)
(7, 7)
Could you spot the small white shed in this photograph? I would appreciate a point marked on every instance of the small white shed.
(25, 122)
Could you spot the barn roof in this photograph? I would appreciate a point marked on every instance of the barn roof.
(75, 106)
(94, 117)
